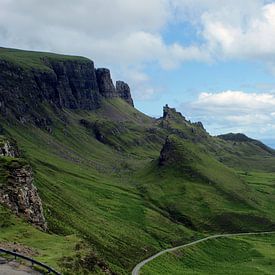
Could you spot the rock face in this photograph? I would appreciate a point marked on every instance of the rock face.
(20, 195)
(167, 153)
(124, 92)
(58, 83)
(199, 124)
(65, 84)
(171, 113)
(105, 83)
(8, 149)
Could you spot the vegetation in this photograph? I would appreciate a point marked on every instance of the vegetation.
(30, 60)
(102, 184)
(238, 255)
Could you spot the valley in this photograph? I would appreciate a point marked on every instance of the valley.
(117, 186)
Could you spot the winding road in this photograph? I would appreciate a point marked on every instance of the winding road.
(144, 262)
(18, 269)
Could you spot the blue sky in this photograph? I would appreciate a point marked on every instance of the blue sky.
(214, 60)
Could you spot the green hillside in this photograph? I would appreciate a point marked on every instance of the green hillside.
(229, 256)
(30, 60)
(118, 186)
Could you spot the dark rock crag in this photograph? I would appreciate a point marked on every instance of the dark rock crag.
(20, 195)
(124, 92)
(171, 113)
(105, 83)
(165, 154)
(65, 83)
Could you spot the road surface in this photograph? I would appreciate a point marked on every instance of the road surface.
(144, 262)
(15, 268)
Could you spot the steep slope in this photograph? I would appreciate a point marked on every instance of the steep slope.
(202, 193)
(107, 174)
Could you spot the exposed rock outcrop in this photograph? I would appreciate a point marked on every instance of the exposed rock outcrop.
(107, 88)
(199, 124)
(8, 149)
(20, 195)
(171, 113)
(124, 92)
(59, 82)
(168, 152)
(105, 83)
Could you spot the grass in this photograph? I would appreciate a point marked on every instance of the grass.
(239, 255)
(49, 247)
(85, 193)
(30, 60)
(121, 202)
(194, 187)
(112, 194)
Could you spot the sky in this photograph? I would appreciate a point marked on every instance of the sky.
(213, 60)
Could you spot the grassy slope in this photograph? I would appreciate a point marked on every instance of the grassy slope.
(92, 190)
(85, 193)
(238, 255)
(117, 198)
(249, 255)
(50, 247)
(204, 192)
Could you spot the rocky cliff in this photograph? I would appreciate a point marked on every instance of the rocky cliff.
(55, 81)
(124, 92)
(20, 195)
(17, 191)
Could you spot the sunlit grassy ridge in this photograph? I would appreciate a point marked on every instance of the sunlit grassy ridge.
(34, 60)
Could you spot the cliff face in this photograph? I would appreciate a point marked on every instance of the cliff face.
(20, 195)
(17, 191)
(105, 83)
(124, 92)
(61, 83)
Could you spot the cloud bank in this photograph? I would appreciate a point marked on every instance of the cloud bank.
(129, 34)
(235, 111)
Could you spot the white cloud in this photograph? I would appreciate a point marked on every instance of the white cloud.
(233, 29)
(142, 87)
(129, 31)
(120, 34)
(111, 31)
(242, 33)
(126, 35)
(234, 111)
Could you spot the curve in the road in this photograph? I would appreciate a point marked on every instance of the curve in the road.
(144, 262)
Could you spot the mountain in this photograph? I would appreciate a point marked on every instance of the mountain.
(90, 184)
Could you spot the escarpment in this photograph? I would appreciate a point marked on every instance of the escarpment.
(26, 91)
(124, 92)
